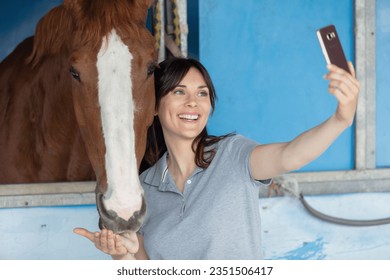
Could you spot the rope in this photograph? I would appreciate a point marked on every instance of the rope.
(156, 10)
(176, 23)
(166, 27)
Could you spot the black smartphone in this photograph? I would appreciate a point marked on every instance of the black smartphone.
(331, 47)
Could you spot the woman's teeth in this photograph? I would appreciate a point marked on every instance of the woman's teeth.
(188, 117)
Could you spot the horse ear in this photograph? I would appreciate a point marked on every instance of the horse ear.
(52, 34)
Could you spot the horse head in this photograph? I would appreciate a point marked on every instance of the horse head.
(110, 57)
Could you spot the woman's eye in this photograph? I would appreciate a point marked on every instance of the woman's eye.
(203, 93)
(178, 91)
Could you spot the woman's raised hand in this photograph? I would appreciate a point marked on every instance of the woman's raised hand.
(345, 87)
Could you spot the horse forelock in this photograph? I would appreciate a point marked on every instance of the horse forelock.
(77, 24)
(98, 18)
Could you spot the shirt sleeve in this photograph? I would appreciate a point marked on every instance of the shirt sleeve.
(241, 149)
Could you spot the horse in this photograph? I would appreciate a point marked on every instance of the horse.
(76, 100)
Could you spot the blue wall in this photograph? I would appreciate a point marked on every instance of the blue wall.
(267, 66)
(383, 83)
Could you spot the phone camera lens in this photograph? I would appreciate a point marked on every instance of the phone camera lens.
(330, 36)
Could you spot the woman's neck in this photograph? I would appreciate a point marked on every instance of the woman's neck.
(181, 162)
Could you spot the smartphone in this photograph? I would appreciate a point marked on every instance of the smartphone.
(331, 47)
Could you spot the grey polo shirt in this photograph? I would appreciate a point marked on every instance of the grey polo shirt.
(216, 217)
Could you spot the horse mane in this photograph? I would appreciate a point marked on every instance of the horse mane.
(86, 22)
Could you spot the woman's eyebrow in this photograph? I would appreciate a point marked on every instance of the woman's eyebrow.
(184, 86)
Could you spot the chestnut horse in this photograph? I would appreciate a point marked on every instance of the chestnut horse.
(76, 101)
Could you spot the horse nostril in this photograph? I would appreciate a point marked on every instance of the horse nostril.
(109, 219)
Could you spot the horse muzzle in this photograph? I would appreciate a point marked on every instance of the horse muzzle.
(109, 219)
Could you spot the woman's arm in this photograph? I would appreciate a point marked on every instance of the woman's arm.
(271, 160)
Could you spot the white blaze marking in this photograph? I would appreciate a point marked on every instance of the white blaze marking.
(117, 113)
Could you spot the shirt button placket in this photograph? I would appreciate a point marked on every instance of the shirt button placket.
(183, 202)
(183, 207)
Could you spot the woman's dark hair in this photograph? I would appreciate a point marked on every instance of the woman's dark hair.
(166, 77)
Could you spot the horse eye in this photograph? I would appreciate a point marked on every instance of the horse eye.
(74, 74)
(151, 68)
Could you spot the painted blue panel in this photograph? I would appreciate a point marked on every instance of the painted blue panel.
(46, 233)
(383, 83)
(193, 28)
(268, 69)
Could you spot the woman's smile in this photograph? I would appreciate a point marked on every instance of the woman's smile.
(191, 117)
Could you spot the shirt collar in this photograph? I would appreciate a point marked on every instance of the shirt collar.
(158, 174)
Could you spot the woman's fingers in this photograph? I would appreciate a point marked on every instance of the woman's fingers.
(351, 69)
(110, 243)
(345, 87)
(342, 88)
(85, 233)
(104, 239)
(351, 75)
(118, 242)
(343, 77)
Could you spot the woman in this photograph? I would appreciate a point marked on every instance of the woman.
(202, 190)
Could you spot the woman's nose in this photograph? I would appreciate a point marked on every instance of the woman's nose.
(191, 101)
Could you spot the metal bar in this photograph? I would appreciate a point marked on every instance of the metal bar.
(347, 175)
(360, 61)
(47, 188)
(365, 24)
(47, 194)
(371, 84)
(19, 201)
(337, 182)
